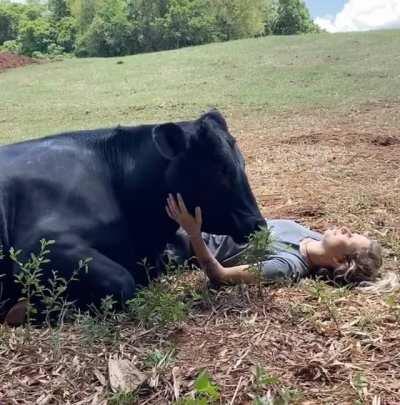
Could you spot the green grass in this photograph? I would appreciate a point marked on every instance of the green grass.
(270, 74)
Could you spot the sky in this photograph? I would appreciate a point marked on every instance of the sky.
(355, 15)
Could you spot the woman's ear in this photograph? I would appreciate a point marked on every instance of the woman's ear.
(338, 260)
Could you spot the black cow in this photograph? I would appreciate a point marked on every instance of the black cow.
(101, 194)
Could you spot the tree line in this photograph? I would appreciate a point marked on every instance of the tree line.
(122, 27)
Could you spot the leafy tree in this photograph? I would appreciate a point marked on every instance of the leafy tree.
(120, 27)
(293, 17)
(238, 18)
(270, 15)
(59, 9)
(67, 30)
(35, 36)
(84, 11)
(8, 23)
(32, 10)
(12, 14)
(109, 32)
(148, 19)
(188, 22)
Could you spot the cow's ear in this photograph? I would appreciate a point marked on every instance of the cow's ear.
(217, 117)
(211, 125)
(170, 140)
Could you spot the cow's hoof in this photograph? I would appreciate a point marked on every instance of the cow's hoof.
(16, 315)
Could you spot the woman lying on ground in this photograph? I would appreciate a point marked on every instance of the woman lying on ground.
(339, 254)
(343, 256)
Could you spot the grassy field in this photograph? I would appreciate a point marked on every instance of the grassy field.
(318, 120)
(268, 74)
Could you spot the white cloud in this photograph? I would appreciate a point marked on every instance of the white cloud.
(363, 15)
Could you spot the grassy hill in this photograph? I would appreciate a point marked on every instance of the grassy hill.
(270, 74)
(318, 120)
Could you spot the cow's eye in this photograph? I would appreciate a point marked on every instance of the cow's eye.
(226, 183)
(226, 177)
(226, 172)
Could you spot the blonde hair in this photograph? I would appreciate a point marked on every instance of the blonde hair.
(362, 268)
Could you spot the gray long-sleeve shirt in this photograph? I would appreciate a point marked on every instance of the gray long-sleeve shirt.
(285, 262)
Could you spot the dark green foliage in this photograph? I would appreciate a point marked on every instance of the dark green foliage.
(147, 18)
(66, 33)
(188, 23)
(35, 36)
(84, 12)
(8, 23)
(59, 9)
(108, 35)
(270, 15)
(122, 27)
(238, 18)
(293, 17)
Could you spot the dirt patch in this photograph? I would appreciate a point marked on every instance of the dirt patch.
(300, 211)
(383, 140)
(321, 169)
(308, 139)
(10, 60)
(343, 136)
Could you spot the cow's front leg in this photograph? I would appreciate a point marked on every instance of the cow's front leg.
(102, 278)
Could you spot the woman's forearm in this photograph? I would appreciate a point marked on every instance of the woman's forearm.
(215, 271)
(208, 263)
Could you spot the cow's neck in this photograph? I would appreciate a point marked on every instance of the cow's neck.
(139, 180)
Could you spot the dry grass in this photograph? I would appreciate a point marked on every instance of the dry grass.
(331, 346)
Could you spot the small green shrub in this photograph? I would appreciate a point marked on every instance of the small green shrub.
(260, 246)
(360, 385)
(160, 359)
(49, 295)
(156, 305)
(100, 324)
(262, 379)
(205, 391)
(122, 398)
(393, 303)
(12, 46)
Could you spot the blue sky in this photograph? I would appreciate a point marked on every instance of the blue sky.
(355, 15)
(322, 8)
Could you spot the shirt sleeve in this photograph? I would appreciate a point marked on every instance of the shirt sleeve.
(224, 249)
(284, 266)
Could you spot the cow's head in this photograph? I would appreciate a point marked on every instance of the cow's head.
(207, 168)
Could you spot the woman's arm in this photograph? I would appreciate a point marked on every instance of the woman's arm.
(215, 271)
(177, 211)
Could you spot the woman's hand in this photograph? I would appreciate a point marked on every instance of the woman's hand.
(176, 210)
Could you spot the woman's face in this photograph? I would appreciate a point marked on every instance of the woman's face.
(341, 242)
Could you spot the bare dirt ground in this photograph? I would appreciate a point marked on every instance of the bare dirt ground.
(10, 60)
(318, 345)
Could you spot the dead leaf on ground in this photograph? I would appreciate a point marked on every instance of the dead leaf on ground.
(124, 376)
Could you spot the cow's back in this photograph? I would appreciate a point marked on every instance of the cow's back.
(56, 186)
